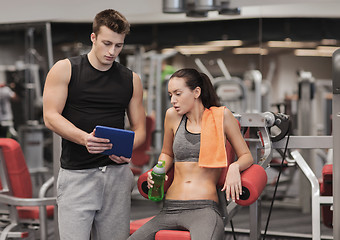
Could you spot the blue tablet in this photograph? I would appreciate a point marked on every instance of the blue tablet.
(121, 139)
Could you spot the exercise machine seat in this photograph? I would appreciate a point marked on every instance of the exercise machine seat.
(138, 223)
(254, 180)
(19, 178)
(18, 174)
(172, 234)
(140, 155)
(326, 189)
(16, 193)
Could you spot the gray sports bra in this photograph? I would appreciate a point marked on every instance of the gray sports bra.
(186, 145)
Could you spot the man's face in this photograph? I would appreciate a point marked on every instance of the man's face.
(107, 45)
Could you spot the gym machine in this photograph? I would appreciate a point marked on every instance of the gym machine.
(336, 142)
(248, 94)
(231, 90)
(155, 103)
(26, 73)
(262, 142)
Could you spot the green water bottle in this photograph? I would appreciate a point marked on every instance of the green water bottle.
(156, 193)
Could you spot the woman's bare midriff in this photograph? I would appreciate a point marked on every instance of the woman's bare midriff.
(192, 182)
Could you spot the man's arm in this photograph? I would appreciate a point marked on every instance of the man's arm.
(54, 99)
(136, 112)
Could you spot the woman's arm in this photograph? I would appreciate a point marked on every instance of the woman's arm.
(171, 122)
(232, 183)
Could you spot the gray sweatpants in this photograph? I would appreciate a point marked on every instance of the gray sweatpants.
(94, 201)
(200, 217)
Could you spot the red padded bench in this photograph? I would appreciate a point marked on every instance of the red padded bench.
(326, 189)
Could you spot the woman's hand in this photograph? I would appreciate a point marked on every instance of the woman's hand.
(232, 185)
(151, 182)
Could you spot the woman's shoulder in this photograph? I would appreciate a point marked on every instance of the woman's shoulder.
(229, 120)
(172, 117)
(228, 114)
(171, 113)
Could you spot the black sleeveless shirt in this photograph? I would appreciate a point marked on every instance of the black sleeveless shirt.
(94, 98)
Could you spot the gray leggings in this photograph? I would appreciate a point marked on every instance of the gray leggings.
(200, 217)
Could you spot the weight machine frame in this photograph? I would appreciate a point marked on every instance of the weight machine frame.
(260, 140)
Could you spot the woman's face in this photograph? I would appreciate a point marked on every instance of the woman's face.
(182, 97)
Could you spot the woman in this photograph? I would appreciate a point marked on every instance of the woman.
(191, 202)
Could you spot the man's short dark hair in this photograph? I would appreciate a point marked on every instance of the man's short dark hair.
(112, 19)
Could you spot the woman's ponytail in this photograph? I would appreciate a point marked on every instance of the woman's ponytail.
(208, 93)
(194, 79)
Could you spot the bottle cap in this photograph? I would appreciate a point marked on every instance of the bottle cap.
(160, 167)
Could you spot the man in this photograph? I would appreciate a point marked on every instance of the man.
(94, 190)
(6, 115)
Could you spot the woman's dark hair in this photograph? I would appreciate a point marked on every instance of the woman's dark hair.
(112, 19)
(194, 79)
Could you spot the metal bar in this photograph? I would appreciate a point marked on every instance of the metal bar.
(326, 200)
(255, 220)
(315, 194)
(47, 185)
(6, 231)
(305, 142)
(151, 85)
(224, 69)
(20, 26)
(56, 166)
(286, 235)
(15, 201)
(20, 235)
(43, 222)
(336, 142)
(252, 120)
(203, 68)
(258, 96)
(159, 120)
(4, 175)
(49, 44)
(254, 209)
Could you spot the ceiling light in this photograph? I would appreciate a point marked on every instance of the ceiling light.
(226, 43)
(313, 53)
(168, 50)
(198, 49)
(192, 52)
(173, 6)
(205, 5)
(197, 14)
(192, 11)
(327, 48)
(226, 10)
(251, 50)
(291, 44)
(329, 42)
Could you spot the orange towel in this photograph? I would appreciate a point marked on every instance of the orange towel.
(212, 151)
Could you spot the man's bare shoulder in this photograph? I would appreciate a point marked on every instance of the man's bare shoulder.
(64, 63)
(61, 71)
